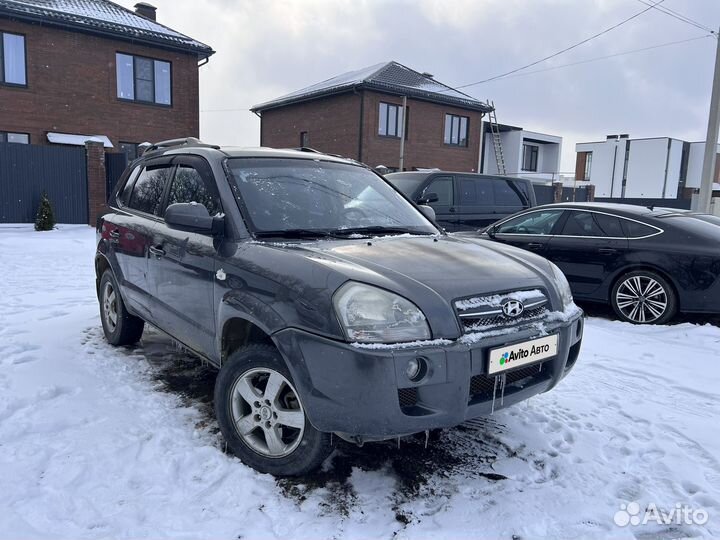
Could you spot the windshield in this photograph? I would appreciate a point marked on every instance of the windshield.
(301, 197)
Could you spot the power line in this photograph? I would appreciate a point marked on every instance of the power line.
(566, 49)
(678, 16)
(623, 53)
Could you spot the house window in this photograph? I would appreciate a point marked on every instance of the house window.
(588, 165)
(12, 59)
(130, 150)
(391, 117)
(304, 139)
(9, 137)
(530, 157)
(456, 130)
(143, 79)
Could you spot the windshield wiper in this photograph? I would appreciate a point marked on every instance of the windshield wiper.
(295, 233)
(378, 231)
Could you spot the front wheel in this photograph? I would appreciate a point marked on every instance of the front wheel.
(262, 417)
(644, 297)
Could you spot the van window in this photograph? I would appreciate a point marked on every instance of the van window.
(507, 194)
(476, 191)
(443, 188)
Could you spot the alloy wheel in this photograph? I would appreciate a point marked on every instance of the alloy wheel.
(267, 412)
(110, 306)
(641, 299)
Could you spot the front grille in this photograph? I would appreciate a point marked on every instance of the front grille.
(481, 386)
(408, 397)
(483, 313)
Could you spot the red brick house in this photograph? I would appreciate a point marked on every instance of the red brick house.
(74, 69)
(360, 115)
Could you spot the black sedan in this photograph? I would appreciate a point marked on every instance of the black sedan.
(648, 263)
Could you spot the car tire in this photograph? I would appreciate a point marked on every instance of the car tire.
(120, 327)
(643, 297)
(261, 415)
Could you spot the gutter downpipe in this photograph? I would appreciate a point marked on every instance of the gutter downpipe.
(402, 134)
(481, 149)
(362, 121)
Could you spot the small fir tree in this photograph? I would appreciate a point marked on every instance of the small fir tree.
(45, 220)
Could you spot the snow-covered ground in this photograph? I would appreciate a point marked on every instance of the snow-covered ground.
(101, 442)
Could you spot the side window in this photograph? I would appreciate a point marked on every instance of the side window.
(535, 223)
(476, 192)
(124, 195)
(148, 189)
(633, 229)
(443, 187)
(592, 224)
(189, 186)
(507, 194)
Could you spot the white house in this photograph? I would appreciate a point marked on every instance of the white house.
(650, 168)
(526, 153)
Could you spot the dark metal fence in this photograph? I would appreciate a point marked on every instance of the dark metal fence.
(682, 204)
(115, 164)
(28, 170)
(546, 194)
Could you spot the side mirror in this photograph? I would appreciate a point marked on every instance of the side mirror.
(490, 231)
(193, 217)
(428, 198)
(427, 211)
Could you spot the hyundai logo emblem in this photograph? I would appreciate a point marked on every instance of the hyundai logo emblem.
(512, 308)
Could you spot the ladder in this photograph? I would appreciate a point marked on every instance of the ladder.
(497, 141)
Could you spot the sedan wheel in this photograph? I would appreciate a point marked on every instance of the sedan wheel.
(267, 413)
(643, 298)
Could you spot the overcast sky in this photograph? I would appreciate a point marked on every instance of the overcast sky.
(266, 48)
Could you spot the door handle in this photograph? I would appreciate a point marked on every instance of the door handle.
(451, 210)
(607, 251)
(158, 251)
(535, 245)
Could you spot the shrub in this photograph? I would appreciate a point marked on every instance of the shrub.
(45, 220)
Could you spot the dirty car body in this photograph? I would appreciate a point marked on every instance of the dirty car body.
(387, 325)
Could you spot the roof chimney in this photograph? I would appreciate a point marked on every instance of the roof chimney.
(146, 10)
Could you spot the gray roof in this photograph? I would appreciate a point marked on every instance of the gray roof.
(102, 17)
(389, 77)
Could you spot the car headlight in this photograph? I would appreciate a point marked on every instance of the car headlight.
(372, 315)
(562, 285)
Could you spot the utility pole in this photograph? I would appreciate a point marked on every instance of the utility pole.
(402, 134)
(708, 169)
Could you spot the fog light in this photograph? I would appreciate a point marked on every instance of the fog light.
(416, 369)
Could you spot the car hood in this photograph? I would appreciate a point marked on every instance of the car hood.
(432, 272)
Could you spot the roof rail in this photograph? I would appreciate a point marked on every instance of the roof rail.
(186, 141)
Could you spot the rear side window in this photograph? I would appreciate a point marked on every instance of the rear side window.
(476, 192)
(443, 188)
(508, 194)
(148, 189)
(124, 195)
(189, 186)
(633, 229)
(592, 224)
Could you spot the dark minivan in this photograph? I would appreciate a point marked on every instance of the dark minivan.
(466, 201)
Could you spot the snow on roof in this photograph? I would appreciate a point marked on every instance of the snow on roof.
(77, 140)
(391, 77)
(102, 16)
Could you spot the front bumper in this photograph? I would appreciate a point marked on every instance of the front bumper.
(365, 392)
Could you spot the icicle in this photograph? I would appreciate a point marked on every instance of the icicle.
(398, 443)
(503, 379)
(427, 437)
(492, 410)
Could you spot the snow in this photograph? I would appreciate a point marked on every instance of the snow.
(98, 442)
(496, 300)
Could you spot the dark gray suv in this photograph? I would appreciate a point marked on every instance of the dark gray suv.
(330, 303)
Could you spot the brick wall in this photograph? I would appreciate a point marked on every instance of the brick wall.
(71, 88)
(333, 126)
(424, 146)
(97, 196)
